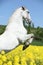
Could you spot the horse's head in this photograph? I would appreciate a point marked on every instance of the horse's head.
(25, 14)
(20, 15)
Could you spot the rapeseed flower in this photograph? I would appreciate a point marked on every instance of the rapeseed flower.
(5, 64)
(9, 63)
(4, 58)
(33, 54)
(0, 56)
(1, 62)
(2, 52)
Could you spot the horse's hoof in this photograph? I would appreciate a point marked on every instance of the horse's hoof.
(24, 47)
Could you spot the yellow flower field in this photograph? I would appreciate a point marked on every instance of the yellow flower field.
(33, 55)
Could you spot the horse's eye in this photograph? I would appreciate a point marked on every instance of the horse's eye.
(28, 12)
(23, 8)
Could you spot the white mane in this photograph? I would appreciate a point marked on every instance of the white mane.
(15, 30)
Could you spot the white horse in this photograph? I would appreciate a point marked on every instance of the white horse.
(15, 30)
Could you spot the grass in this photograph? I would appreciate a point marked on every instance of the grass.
(37, 43)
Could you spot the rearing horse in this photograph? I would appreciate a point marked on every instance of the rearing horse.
(15, 30)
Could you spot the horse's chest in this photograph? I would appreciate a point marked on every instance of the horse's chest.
(22, 30)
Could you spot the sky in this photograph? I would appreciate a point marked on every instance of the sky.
(7, 7)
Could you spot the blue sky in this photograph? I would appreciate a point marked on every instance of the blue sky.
(7, 7)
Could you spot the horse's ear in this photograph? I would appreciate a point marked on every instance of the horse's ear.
(23, 8)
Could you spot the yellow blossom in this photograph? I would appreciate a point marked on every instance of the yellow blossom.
(29, 56)
(4, 58)
(5, 64)
(0, 56)
(1, 62)
(16, 64)
(9, 63)
(16, 58)
(31, 63)
(2, 52)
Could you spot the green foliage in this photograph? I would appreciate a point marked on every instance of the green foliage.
(37, 42)
(39, 33)
(2, 29)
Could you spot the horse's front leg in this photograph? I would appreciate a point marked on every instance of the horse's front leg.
(27, 43)
(25, 38)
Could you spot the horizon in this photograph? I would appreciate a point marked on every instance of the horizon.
(7, 7)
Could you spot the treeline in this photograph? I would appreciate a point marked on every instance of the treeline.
(38, 32)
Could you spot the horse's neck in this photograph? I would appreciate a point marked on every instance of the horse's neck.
(15, 22)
